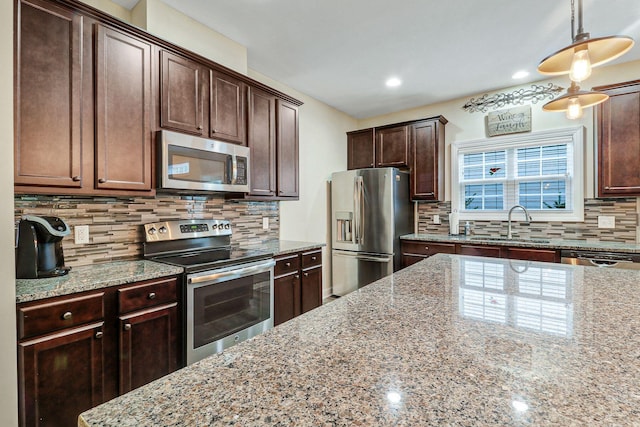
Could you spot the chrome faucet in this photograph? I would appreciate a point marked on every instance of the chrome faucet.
(527, 218)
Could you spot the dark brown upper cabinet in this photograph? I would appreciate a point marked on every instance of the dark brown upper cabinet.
(181, 94)
(417, 145)
(48, 96)
(287, 149)
(392, 146)
(361, 148)
(262, 143)
(227, 108)
(427, 159)
(123, 108)
(618, 121)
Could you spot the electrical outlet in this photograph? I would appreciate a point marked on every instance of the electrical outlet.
(436, 219)
(265, 222)
(81, 234)
(606, 221)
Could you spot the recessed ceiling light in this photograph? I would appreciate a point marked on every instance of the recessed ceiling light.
(520, 74)
(393, 82)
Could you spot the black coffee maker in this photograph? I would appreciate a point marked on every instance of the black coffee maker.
(39, 247)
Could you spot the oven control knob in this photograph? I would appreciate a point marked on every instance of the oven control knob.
(152, 231)
(215, 226)
(227, 226)
(162, 230)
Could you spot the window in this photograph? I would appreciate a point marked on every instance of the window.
(537, 171)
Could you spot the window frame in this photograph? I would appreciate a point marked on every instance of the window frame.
(573, 135)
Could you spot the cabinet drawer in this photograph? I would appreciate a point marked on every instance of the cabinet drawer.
(147, 294)
(488, 251)
(286, 265)
(311, 259)
(427, 248)
(526, 254)
(42, 318)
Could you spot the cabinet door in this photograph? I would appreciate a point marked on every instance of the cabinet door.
(311, 289)
(48, 82)
(392, 146)
(123, 99)
(427, 157)
(619, 141)
(148, 346)
(227, 108)
(262, 142)
(361, 148)
(286, 298)
(488, 251)
(60, 376)
(528, 254)
(181, 94)
(287, 149)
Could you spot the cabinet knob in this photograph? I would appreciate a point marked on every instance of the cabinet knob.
(313, 258)
(426, 248)
(76, 178)
(212, 130)
(102, 180)
(297, 276)
(607, 188)
(200, 128)
(67, 315)
(127, 326)
(99, 335)
(152, 295)
(306, 274)
(288, 264)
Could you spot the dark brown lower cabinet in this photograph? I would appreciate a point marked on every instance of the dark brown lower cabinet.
(416, 250)
(297, 284)
(61, 375)
(71, 356)
(148, 346)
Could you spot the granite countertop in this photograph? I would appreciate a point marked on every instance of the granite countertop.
(541, 243)
(451, 340)
(283, 247)
(103, 275)
(89, 277)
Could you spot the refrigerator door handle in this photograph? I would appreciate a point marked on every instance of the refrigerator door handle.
(356, 208)
(362, 208)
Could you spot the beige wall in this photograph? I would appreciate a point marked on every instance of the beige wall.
(111, 8)
(8, 379)
(162, 20)
(465, 126)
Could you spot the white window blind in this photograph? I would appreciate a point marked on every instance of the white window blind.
(539, 171)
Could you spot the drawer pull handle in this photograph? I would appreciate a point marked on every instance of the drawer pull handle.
(67, 316)
(76, 178)
(313, 258)
(127, 326)
(99, 335)
(152, 295)
(288, 264)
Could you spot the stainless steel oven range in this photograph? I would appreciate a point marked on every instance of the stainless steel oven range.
(228, 292)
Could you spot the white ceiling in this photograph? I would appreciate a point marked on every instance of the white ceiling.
(342, 51)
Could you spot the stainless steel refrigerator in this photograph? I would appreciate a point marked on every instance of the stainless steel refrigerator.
(370, 210)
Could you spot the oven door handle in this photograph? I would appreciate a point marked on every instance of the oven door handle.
(231, 273)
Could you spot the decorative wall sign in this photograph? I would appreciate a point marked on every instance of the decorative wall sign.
(511, 120)
(520, 96)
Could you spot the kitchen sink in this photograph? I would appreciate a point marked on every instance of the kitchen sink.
(504, 239)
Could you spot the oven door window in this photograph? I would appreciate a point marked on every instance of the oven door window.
(224, 308)
(193, 165)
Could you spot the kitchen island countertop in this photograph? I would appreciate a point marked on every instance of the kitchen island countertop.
(451, 340)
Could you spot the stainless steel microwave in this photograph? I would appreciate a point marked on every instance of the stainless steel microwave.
(188, 162)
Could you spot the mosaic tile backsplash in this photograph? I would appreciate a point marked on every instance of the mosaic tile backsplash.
(624, 210)
(115, 223)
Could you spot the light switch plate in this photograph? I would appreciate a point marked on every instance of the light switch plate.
(265, 222)
(81, 234)
(436, 219)
(606, 221)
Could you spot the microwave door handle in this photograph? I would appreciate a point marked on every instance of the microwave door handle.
(234, 169)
